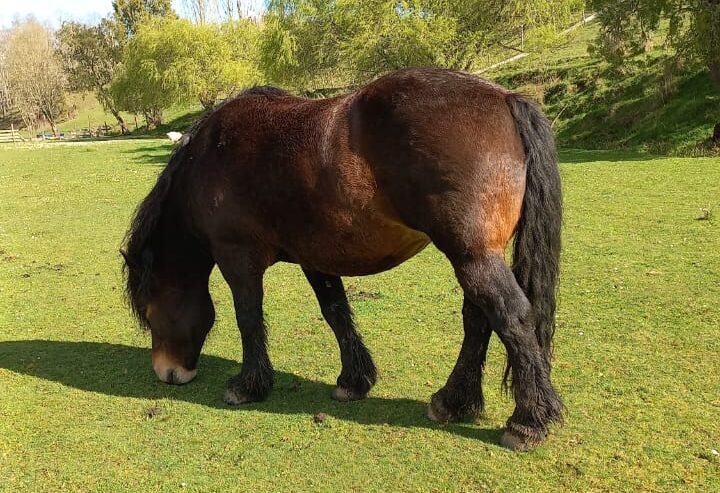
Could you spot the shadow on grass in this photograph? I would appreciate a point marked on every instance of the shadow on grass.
(157, 154)
(114, 369)
(574, 156)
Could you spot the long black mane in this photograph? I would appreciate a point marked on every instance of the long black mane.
(137, 250)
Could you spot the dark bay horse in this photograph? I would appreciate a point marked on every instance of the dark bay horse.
(350, 186)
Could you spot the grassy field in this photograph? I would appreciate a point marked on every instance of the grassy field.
(637, 350)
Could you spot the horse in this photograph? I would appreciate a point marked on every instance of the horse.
(355, 185)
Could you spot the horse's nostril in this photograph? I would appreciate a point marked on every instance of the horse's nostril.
(170, 376)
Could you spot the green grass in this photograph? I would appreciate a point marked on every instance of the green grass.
(636, 350)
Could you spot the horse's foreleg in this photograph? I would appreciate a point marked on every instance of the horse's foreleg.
(244, 275)
(461, 398)
(358, 373)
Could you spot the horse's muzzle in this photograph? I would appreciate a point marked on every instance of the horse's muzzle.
(168, 371)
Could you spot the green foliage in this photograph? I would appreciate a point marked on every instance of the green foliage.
(401, 34)
(90, 56)
(174, 61)
(130, 14)
(315, 43)
(693, 29)
(596, 106)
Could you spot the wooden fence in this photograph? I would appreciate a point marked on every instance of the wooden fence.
(11, 135)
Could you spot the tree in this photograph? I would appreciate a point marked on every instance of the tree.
(5, 100)
(35, 76)
(173, 61)
(319, 43)
(311, 42)
(90, 55)
(132, 13)
(693, 31)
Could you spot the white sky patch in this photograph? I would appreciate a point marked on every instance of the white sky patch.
(54, 12)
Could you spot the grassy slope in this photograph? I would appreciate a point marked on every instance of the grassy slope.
(636, 355)
(602, 109)
(89, 112)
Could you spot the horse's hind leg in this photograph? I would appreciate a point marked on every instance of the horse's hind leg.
(491, 285)
(358, 373)
(461, 397)
(244, 273)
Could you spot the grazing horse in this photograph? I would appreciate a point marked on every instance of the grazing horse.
(352, 186)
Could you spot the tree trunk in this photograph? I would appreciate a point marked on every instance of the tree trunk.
(153, 117)
(157, 117)
(715, 139)
(715, 78)
(108, 104)
(123, 126)
(53, 127)
(207, 100)
(715, 74)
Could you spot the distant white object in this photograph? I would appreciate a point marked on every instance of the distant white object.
(174, 136)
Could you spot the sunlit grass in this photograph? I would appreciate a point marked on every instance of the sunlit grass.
(636, 350)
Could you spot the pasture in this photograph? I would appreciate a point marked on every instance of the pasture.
(637, 356)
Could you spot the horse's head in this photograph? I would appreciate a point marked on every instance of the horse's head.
(167, 289)
(179, 319)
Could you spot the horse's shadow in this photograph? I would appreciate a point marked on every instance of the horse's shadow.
(119, 370)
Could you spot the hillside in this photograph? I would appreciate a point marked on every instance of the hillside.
(594, 107)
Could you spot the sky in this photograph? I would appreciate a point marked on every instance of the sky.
(54, 12)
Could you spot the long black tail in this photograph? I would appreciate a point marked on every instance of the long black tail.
(536, 258)
(138, 251)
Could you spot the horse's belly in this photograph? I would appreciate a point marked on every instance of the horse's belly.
(363, 251)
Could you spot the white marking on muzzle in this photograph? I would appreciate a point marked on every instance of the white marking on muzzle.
(169, 371)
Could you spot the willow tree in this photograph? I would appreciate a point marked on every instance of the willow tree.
(171, 61)
(693, 29)
(692, 34)
(316, 42)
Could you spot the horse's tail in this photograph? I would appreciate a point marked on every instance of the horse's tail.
(536, 257)
(138, 248)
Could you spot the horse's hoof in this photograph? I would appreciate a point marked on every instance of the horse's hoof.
(341, 394)
(518, 443)
(436, 411)
(235, 398)
(431, 415)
